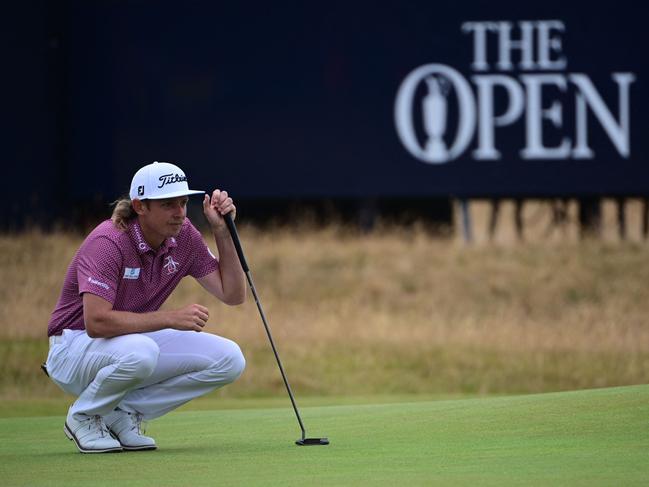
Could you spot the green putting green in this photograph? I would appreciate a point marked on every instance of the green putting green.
(593, 437)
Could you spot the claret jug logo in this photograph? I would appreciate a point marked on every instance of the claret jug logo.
(539, 97)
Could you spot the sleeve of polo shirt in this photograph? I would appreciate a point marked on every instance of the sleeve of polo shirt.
(204, 260)
(98, 268)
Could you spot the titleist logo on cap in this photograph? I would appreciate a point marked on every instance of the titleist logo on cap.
(170, 179)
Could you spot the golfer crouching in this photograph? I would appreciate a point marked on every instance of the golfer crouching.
(110, 346)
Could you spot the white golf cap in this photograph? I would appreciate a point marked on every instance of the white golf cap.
(160, 180)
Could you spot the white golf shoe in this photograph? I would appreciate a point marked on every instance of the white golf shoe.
(126, 427)
(90, 435)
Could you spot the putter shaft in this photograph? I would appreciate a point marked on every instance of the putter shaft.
(272, 345)
(237, 244)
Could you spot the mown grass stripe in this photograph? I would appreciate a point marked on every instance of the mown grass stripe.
(595, 437)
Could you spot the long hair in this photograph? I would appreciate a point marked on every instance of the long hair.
(123, 212)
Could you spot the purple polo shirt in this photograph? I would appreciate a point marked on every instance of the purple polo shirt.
(120, 267)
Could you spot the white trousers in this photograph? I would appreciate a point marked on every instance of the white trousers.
(147, 373)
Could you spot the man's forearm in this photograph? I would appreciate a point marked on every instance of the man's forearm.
(113, 323)
(233, 279)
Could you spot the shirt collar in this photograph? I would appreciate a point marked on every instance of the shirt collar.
(168, 244)
(135, 232)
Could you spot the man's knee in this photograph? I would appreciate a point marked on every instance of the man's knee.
(237, 363)
(141, 359)
(230, 365)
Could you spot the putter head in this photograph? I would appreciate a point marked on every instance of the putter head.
(312, 441)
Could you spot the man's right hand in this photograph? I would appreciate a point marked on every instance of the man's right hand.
(191, 317)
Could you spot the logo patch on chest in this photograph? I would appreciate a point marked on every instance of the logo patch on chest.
(131, 272)
(171, 266)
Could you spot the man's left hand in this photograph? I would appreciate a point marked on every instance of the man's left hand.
(217, 205)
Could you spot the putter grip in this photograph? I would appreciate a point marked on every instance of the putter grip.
(237, 243)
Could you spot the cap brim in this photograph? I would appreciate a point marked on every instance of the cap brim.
(174, 194)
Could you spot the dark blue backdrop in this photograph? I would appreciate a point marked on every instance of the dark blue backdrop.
(291, 100)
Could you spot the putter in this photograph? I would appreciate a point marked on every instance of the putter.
(303, 441)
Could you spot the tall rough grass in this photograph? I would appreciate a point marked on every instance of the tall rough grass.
(395, 311)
